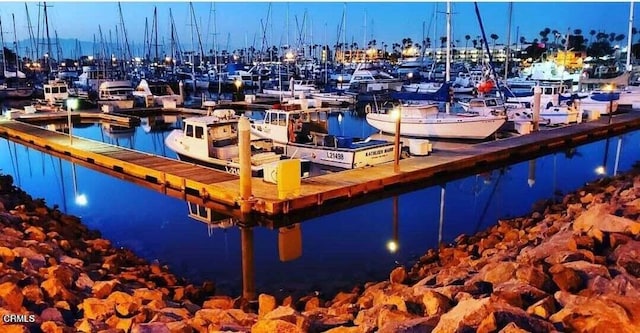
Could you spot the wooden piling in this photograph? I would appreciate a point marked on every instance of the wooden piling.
(537, 93)
(248, 272)
(396, 159)
(244, 143)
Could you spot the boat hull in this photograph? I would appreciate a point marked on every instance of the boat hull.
(445, 127)
(343, 158)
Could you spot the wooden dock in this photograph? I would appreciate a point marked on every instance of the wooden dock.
(319, 195)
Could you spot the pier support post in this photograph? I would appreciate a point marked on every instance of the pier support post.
(537, 93)
(396, 143)
(244, 145)
(531, 178)
(615, 164)
(181, 90)
(248, 272)
(441, 221)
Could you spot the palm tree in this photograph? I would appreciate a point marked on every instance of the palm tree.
(466, 43)
(592, 33)
(634, 31)
(495, 38)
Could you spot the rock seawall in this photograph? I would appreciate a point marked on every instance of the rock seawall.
(568, 266)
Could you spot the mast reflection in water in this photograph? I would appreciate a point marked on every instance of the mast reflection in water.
(339, 250)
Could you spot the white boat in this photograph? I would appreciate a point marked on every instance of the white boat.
(334, 98)
(303, 133)
(157, 92)
(55, 92)
(213, 141)
(116, 94)
(373, 79)
(429, 122)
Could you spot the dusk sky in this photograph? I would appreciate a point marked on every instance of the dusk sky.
(240, 22)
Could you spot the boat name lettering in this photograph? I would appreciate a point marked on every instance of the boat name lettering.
(335, 155)
(379, 152)
(232, 170)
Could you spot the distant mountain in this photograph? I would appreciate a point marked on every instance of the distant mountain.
(73, 49)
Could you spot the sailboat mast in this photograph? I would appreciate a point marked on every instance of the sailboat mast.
(15, 42)
(448, 61)
(4, 61)
(46, 23)
(155, 32)
(629, 35)
(508, 52)
(30, 29)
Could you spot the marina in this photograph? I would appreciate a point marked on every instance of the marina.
(319, 167)
(317, 194)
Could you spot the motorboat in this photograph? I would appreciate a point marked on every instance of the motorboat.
(304, 133)
(213, 141)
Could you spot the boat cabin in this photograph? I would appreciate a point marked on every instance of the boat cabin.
(115, 90)
(297, 126)
(55, 92)
(210, 217)
(216, 134)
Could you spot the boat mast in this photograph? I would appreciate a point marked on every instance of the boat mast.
(30, 29)
(629, 35)
(448, 63)
(46, 20)
(155, 33)
(4, 61)
(15, 44)
(508, 52)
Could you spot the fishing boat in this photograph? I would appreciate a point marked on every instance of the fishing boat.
(213, 141)
(55, 92)
(304, 133)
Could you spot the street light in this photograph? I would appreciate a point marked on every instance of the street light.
(72, 103)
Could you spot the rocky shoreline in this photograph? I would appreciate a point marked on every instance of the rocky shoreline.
(569, 266)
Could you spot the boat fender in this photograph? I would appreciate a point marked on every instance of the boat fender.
(367, 109)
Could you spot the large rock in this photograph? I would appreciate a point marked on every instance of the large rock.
(35, 233)
(518, 293)
(11, 297)
(465, 315)
(598, 218)
(270, 326)
(35, 259)
(102, 289)
(6, 255)
(55, 290)
(596, 314)
(398, 275)
(150, 328)
(435, 303)
(417, 325)
(497, 272)
(628, 257)
(566, 279)
(387, 317)
(218, 302)
(561, 241)
(287, 313)
(266, 304)
(97, 309)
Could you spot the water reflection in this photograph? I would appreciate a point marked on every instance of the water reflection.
(115, 133)
(339, 250)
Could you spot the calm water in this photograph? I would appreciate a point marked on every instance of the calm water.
(338, 250)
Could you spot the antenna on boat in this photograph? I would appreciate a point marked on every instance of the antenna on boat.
(486, 45)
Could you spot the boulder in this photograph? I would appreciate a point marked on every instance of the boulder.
(53, 315)
(599, 218)
(102, 289)
(543, 308)
(35, 233)
(466, 314)
(287, 313)
(218, 302)
(35, 259)
(417, 325)
(388, 316)
(566, 279)
(11, 297)
(435, 303)
(628, 257)
(266, 304)
(6, 255)
(33, 293)
(270, 326)
(97, 309)
(518, 293)
(150, 328)
(398, 275)
(595, 314)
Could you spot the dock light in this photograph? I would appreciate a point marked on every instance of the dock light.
(90, 58)
(410, 75)
(64, 64)
(72, 104)
(392, 246)
(340, 78)
(601, 170)
(289, 56)
(609, 89)
(81, 200)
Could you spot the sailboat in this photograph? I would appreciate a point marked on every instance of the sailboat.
(431, 123)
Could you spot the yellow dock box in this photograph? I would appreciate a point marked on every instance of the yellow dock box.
(288, 178)
(290, 242)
